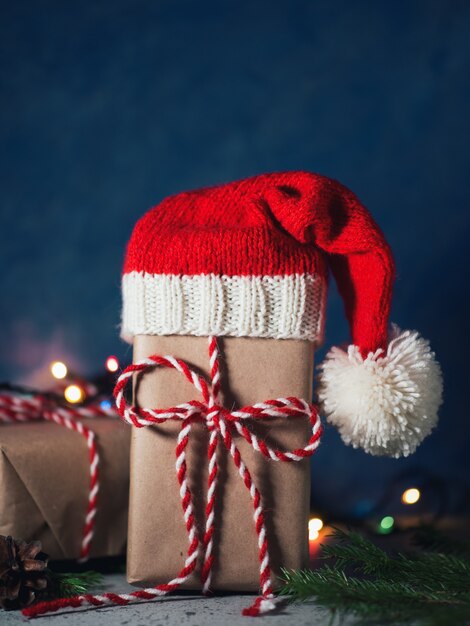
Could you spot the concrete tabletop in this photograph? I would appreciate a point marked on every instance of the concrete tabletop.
(175, 610)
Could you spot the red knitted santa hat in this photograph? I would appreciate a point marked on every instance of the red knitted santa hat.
(251, 259)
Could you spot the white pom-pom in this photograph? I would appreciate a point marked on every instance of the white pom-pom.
(386, 403)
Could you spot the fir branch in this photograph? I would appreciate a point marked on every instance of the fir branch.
(67, 585)
(355, 553)
(331, 583)
(430, 538)
(380, 601)
(363, 580)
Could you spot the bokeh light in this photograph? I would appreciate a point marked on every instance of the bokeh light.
(112, 364)
(74, 394)
(58, 370)
(315, 524)
(386, 524)
(411, 496)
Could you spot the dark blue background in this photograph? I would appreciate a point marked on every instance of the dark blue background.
(106, 107)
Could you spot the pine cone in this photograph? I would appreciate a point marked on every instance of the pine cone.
(23, 572)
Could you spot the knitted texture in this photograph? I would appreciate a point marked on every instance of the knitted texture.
(258, 306)
(221, 424)
(251, 259)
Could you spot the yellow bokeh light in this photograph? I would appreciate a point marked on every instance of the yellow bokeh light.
(112, 364)
(411, 496)
(73, 394)
(58, 370)
(314, 526)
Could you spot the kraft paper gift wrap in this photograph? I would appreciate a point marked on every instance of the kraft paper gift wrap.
(253, 370)
(44, 483)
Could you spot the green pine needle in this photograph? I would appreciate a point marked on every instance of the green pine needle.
(429, 588)
(72, 584)
(431, 539)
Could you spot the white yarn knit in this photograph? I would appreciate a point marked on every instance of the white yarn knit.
(281, 307)
(386, 403)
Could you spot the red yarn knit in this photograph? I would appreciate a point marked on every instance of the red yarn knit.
(241, 245)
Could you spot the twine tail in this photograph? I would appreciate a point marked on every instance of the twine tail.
(262, 605)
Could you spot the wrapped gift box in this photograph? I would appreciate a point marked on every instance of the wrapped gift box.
(44, 484)
(253, 370)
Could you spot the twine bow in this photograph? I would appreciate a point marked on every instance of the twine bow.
(221, 424)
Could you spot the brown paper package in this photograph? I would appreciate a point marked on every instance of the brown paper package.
(253, 370)
(44, 482)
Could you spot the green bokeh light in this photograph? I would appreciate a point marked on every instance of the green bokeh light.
(386, 524)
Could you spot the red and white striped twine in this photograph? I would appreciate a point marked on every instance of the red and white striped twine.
(16, 408)
(220, 423)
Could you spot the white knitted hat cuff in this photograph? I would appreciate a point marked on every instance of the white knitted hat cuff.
(281, 307)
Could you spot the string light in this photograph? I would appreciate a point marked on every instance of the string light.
(105, 405)
(314, 526)
(386, 525)
(58, 370)
(112, 364)
(73, 394)
(411, 496)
